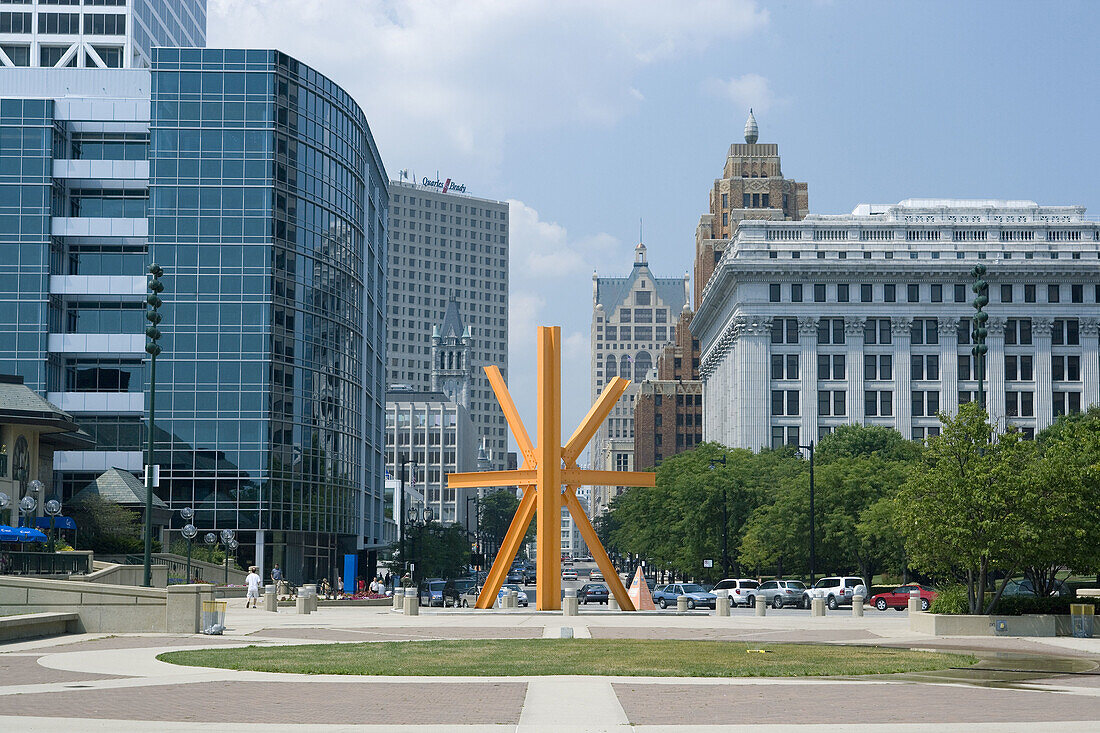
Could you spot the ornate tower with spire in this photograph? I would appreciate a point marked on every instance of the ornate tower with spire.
(452, 371)
(752, 186)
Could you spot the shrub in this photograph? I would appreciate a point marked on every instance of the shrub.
(951, 600)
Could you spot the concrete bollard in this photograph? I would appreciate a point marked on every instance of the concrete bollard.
(271, 601)
(914, 601)
(398, 599)
(513, 599)
(722, 605)
(612, 603)
(761, 606)
(681, 604)
(310, 591)
(569, 603)
(817, 607)
(857, 605)
(412, 602)
(301, 604)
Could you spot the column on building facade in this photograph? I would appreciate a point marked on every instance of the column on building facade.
(1090, 362)
(1044, 396)
(807, 371)
(903, 390)
(995, 371)
(949, 364)
(753, 351)
(853, 339)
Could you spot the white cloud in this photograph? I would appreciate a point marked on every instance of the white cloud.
(745, 91)
(445, 82)
(542, 249)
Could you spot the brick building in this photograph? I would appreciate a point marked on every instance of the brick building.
(668, 412)
(752, 186)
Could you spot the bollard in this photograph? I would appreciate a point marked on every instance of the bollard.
(612, 602)
(817, 607)
(722, 605)
(412, 602)
(271, 601)
(301, 604)
(914, 601)
(681, 604)
(569, 603)
(398, 599)
(857, 605)
(761, 606)
(513, 599)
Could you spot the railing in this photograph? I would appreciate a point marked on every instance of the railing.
(45, 563)
(201, 572)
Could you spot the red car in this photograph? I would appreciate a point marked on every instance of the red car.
(898, 598)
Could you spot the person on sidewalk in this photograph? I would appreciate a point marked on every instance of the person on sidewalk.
(252, 580)
(277, 579)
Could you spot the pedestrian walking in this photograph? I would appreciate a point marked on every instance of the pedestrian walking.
(252, 580)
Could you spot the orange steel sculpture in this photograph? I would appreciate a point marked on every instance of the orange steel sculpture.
(545, 470)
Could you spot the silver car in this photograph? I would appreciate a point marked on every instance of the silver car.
(779, 593)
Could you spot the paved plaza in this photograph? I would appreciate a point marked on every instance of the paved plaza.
(115, 683)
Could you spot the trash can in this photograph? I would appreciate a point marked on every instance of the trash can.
(213, 617)
(1081, 615)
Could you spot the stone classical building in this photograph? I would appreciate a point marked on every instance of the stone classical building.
(631, 321)
(752, 186)
(445, 245)
(865, 318)
(668, 411)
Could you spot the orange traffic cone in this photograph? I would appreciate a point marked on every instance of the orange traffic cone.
(639, 593)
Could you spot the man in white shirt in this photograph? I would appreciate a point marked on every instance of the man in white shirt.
(252, 580)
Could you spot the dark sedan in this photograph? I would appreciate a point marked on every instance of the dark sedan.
(593, 593)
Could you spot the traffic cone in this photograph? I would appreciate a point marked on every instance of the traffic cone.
(639, 593)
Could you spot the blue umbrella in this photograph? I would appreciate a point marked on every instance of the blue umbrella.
(29, 534)
(8, 534)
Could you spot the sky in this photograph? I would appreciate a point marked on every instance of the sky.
(590, 116)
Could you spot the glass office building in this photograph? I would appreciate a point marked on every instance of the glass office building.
(255, 183)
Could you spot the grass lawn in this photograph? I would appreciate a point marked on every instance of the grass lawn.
(626, 657)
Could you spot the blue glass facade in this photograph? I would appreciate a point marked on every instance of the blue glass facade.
(267, 210)
(26, 178)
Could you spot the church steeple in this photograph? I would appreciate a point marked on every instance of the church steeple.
(752, 132)
(452, 371)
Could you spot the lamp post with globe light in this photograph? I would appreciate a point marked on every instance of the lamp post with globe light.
(53, 508)
(229, 544)
(189, 532)
(153, 349)
(418, 518)
(5, 501)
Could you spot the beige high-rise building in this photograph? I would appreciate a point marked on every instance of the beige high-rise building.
(752, 186)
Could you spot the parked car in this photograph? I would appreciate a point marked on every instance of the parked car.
(1024, 587)
(439, 592)
(595, 575)
(529, 576)
(568, 574)
(521, 597)
(593, 593)
(837, 591)
(740, 590)
(779, 593)
(667, 594)
(469, 596)
(515, 575)
(898, 598)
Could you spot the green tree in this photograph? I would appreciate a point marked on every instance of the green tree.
(497, 510)
(438, 551)
(105, 527)
(965, 510)
(865, 441)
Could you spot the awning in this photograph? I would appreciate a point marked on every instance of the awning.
(58, 523)
(20, 534)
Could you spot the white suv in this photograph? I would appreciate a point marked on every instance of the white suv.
(742, 591)
(837, 591)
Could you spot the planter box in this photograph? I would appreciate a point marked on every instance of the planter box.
(938, 624)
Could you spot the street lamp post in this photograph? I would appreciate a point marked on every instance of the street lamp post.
(229, 544)
(5, 500)
(153, 349)
(725, 524)
(418, 518)
(813, 519)
(189, 531)
(981, 290)
(477, 518)
(53, 508)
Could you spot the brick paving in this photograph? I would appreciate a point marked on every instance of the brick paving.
(439, 703)
(20, 670)
(647, 704)
(402, 634)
